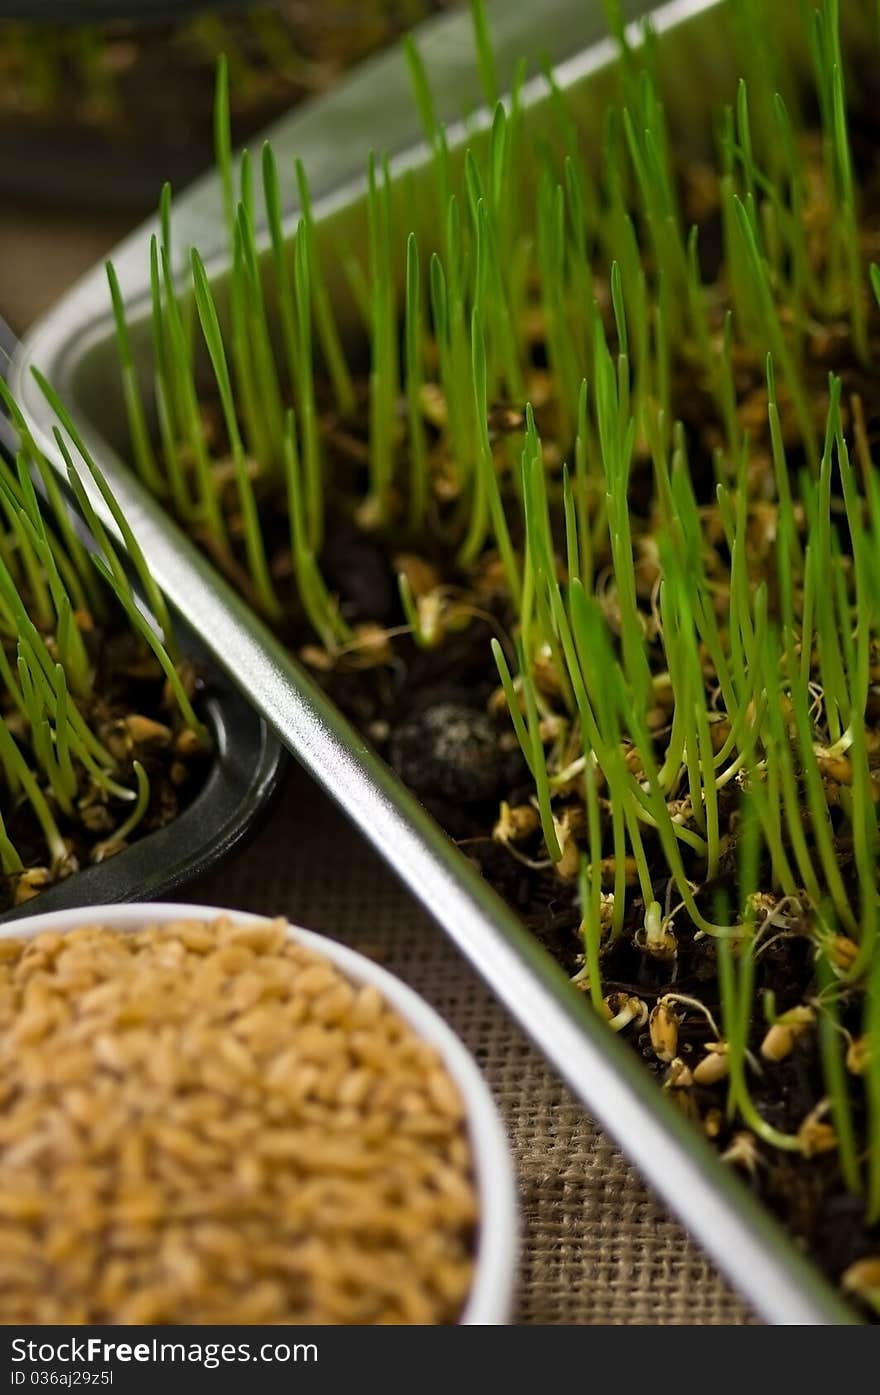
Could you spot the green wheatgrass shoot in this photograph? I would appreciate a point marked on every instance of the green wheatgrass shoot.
(590, 889)
(736, 968)
(419, 473)
(186, 455)
(254, 546)
(325, 321)
(141, 441)
(383, 340)
(71, 558)
(53, 760)
(318, 604)
(703, 594)
(266, 381)
(832, 1047)
(282, 263)
(153, 595)
(244, 354)
(311, 447)
(223, 140)
(485, 54)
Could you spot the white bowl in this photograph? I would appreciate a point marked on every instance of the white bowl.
(491, 1293)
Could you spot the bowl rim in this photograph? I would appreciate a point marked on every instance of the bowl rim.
(491, 1295)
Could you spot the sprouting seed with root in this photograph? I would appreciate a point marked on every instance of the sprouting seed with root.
(663, 1029)
(815, 1134)
(623, 1009)
(743, 1152)
(656, 937)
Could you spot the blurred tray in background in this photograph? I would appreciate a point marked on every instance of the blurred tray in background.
(100, 112)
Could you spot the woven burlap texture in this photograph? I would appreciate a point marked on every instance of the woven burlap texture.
(597, 1248)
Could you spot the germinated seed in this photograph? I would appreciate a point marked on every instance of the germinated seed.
(209, 1124)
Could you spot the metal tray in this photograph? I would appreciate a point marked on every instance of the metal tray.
(74, 346)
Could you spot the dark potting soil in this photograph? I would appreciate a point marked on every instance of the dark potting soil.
(427, 715)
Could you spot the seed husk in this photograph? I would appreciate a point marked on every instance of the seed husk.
(743, 1151)
(679, 1075)
(863, 1278)
(515, 823)
(663, 1028)
(145, 732)
(858, 1055)
(815, 1134)
(781, 1037)
(714, 1066)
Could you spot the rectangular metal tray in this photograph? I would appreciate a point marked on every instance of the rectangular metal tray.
(74, 346)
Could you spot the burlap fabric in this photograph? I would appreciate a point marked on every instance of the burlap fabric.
(597, 1248)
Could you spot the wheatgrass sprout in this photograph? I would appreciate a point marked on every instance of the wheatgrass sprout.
(140, 436)
(448, 323)
(319, 606)
(421, 635)
(768, 326)
(35, 542)
(254, 546)
(487, 503)
(191, 482)
(255, 336)
(325, 322)
(282, 262)
(109, 566)
(832, 1046)
(419, 476)
(564, 361)
(152, 593)
(20, 780)
(311, 448)
(736, 969)
(223, 140)
(383, 340)
(485, 53)
(65, 769)
(845, 264)
(491, 286)
(590, 888)
(72, 557)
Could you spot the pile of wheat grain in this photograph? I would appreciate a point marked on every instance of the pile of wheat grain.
(207, 1123)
